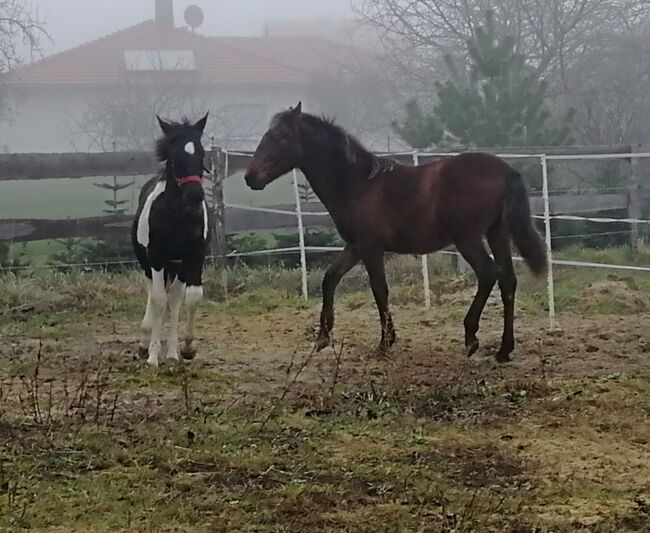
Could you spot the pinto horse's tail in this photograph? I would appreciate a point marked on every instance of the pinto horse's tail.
(520, 223)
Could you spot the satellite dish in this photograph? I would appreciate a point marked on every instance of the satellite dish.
(194, 16)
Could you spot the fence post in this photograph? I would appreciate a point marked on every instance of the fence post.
(301, 236)
(634, 205)
(219, 247)
(548, 238)
(425, 262)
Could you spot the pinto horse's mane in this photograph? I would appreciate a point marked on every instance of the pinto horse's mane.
(177, 129)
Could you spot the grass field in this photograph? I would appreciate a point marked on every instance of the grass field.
(259, 434)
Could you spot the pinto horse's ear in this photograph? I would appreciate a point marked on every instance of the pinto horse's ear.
(164, 125)
(200, 125)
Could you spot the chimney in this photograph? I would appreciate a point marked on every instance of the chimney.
(165, 13)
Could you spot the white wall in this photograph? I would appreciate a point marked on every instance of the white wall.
(45, 119)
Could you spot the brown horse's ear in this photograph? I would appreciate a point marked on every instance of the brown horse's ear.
(296, 111)
(164, 125)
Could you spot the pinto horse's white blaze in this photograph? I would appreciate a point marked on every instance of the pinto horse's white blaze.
(190, 148)
(205, 220)
(143, 221)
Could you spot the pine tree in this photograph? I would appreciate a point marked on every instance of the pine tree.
(114, 249)
(418, 129)
(496, 101)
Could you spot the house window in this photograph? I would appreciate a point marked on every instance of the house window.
(166, 60)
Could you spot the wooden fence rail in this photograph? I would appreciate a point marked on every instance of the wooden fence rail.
(231, 220)
(240, 220)
(39, 166)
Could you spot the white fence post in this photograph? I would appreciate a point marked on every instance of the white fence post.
(549, 249)
(425, 263)
(301, 237)
(224, 270)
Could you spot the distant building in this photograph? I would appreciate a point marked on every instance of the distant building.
(350, 32)
(101, 92)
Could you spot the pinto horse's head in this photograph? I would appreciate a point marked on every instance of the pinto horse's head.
(279, 151)
(181, 149)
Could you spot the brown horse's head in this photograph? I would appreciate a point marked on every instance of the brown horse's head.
(279, 151)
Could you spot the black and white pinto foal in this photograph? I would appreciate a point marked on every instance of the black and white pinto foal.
(170, 235)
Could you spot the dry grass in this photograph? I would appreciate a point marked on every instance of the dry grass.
(258, 434)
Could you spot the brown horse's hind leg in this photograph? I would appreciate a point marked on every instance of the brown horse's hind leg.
(376, 272)
(343, 263)
(499, 242)
(486, 272)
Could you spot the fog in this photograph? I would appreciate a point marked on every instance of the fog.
(222, 17)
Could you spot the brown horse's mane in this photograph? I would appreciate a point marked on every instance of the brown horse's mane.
(345, 148)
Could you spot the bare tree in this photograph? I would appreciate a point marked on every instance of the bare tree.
(549, 33)
(125, 118)
(362, 103)
(608, 89)
(21, 32)
(20, 28)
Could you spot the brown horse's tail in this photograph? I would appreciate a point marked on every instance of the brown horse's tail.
(520, 223)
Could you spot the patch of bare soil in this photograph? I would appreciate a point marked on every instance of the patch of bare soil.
(255, 353)
(429, 350)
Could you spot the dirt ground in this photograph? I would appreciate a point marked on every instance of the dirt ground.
(260, 434)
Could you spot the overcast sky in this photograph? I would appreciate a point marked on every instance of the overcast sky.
(72, 22)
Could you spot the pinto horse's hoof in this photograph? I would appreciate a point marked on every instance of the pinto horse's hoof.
(188, 354)
(502, 357)
(143, 353)
(471, 348)
(321, 343)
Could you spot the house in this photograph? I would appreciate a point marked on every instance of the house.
(103, 94)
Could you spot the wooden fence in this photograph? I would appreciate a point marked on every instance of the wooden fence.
(230, 220)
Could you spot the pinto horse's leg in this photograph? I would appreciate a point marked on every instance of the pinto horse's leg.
(343, 263)
(176, 295)
(158, 300)
(146, 325)
(193, 295)
(374, 264)
(486, 272)
(499, 242)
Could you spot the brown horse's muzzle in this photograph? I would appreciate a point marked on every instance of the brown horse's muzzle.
(254, 180)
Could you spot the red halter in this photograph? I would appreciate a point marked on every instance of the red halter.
(189, 179)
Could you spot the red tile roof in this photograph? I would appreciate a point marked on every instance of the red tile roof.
(219, 60)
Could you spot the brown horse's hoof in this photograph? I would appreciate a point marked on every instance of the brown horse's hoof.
(471, 348)
(188, 354)
(321, 343)
(143, 353)
(503, 357)
(382, 352)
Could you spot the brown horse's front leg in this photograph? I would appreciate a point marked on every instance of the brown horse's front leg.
(376, 272)
(343, 263)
